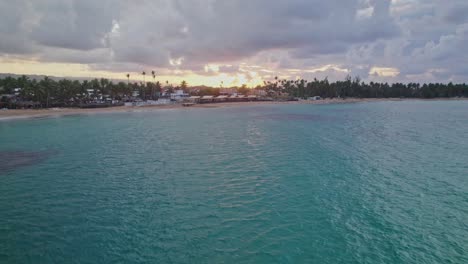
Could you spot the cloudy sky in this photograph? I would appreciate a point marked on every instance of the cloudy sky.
(237, 41)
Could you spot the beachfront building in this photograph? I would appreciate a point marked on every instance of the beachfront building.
(163, 101)
(259, 92)
(221, 98)
(314, 98)
(7, 101)
(252, 98)
(89, 92)
(28, 105)
(17, 91)
(237, 98)
(207, 99)
(14, 101)
(194, 99)
(179, 95)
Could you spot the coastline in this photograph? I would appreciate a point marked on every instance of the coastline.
(15, 114)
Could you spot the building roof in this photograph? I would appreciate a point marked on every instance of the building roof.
(179, 92)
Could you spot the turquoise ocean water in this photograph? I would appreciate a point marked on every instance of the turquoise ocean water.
(383, 182)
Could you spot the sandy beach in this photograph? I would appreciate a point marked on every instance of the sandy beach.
(13, 114)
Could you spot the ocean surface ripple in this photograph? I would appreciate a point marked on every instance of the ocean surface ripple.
(382, 182)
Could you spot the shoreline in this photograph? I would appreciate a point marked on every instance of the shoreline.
(17, 114)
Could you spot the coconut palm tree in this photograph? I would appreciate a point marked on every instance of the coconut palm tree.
(144, 84)
(152, 86)
(47, 87)
(184, 85)
(128, 78)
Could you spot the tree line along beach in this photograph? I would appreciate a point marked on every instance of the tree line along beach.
(24, 97)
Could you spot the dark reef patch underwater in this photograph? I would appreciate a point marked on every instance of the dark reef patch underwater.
(13, 160)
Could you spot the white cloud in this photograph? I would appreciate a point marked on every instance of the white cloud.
(384, 71)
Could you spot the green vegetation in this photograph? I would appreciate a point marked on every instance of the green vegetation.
(51, 93)
(355, 88)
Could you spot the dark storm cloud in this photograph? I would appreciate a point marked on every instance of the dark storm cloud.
(413, 36)
(14, 26)
(235, 29)
(79, 25)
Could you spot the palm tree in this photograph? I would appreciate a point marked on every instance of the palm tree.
(152, 86)
(158, 87)
(144, 84)
(47, 85)
(183, 85)
(128, 78)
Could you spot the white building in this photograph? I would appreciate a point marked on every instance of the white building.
(315, 98)
(17, 91)
(179, 95)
